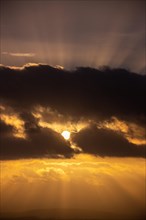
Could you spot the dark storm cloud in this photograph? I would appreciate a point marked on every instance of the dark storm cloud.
(83, 92)
(96, 94)
(39, 143)
(105, 142)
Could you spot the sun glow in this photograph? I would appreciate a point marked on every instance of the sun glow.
(66, 134)
(81, 182)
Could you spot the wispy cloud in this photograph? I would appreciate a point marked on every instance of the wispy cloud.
(19, 54)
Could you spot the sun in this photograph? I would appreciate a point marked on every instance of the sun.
(66, 135)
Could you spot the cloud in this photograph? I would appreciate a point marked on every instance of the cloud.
(84, 91)
(19, 54)
(79, 183)
(39, 101)
(16, 122)
(105, 142)
(5, 129)
(131, 131)
(40, 143)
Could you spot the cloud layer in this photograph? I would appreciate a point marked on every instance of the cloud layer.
(105, 142)
(91, 95)
(84, 91)
(93, 188)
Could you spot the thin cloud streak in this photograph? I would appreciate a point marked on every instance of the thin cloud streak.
(19, 54)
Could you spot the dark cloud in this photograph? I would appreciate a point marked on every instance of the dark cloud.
(31, 123)
(96, 94)
(105, 142)
(5, 129)
(39, 143)
(83, 92)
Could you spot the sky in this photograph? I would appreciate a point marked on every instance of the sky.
(72, 110)
(74, 33)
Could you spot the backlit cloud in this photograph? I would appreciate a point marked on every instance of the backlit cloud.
(39, 102)
(105, 142)
(131, 131)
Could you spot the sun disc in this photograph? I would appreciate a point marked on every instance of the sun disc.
(66, 134)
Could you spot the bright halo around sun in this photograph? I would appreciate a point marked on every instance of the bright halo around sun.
(66, 135)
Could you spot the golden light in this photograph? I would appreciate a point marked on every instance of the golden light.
(16, 122)
(66, 134)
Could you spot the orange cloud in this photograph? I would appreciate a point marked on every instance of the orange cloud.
(132, 132)
(9, 117)
(79, 183)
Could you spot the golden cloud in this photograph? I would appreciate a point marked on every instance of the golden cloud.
(16, 123)
(132, 132)
(82, 182)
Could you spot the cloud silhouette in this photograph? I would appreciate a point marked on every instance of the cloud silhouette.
(106, 142)
(39, 143)
(84, 93)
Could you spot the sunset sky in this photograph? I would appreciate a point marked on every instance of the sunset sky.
(74, 33)
(72, 104)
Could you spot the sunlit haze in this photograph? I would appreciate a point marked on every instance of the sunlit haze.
(72, 110)
(74, 33)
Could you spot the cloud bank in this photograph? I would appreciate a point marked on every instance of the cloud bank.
(86, 95)
(93, 188)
